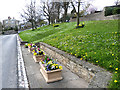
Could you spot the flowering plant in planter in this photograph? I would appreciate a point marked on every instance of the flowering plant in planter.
(38, 51)
(50, 64)
(38, 54)
(50, 70)
(31, 47)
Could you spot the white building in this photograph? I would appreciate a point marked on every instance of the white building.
(10, 23)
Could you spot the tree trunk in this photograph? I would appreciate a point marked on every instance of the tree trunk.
(78, 13)
(49, 20)
(32, 25)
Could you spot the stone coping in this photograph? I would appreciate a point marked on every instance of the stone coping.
(100, 77)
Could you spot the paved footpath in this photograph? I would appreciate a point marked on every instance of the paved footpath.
(36, 79)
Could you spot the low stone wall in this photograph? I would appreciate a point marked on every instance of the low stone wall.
(97, 16)
(96, 77)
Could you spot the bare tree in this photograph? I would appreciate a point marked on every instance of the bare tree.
(58, 7)
(78, 21)
(79, 4)
(117, 2)
(49, 11)
(65, 6)
(30, 15)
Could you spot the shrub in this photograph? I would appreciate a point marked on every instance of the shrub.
(112, 11)
(116, 10)
(108, 11)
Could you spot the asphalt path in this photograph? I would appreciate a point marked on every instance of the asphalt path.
(8, 47)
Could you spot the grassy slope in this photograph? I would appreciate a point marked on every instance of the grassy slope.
(97, 42)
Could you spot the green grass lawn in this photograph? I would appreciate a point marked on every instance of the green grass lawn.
(96, 43)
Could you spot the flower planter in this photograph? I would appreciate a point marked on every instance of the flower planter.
(37, 58)
(31, 49)
(51, 76)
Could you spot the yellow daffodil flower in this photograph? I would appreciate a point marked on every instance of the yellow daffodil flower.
(96, 61)
(116, 68)
(115, 72)
(115, 81)
(110, 66)
(112, 54)
(113, 44)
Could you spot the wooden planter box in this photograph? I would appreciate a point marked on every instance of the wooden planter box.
(31, 49)
(37, 58)
(51, 76)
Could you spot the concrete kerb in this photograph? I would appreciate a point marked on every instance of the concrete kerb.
(22, 76)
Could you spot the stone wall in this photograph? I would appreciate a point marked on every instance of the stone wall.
(97, 16)
(96, 77)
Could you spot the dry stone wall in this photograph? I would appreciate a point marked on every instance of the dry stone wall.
(97, 16)
(96, 77)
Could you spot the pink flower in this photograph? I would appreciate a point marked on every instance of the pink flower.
(47, 58)
(38, 49)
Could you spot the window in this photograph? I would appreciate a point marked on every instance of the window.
(6, 22)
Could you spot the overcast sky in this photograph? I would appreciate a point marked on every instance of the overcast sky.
(13, 8)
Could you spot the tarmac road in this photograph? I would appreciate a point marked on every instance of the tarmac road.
(8, 47)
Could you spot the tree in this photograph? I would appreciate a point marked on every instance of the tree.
(49, 11)
(30, 14)
(65, 6)
(117, 2)
(58, 7)
(78, 4)
(78, 21)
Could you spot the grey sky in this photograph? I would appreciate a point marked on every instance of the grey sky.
(13, 7)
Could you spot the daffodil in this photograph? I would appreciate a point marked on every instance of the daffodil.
(96, 61)
(110, 66)
(113, 44)
(80, 24)
(115, 72)
(116, 68)
(112, 54)
(115, 81)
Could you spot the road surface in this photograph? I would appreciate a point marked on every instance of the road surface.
(8, 47)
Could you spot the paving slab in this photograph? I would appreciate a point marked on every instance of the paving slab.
(36, 80)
